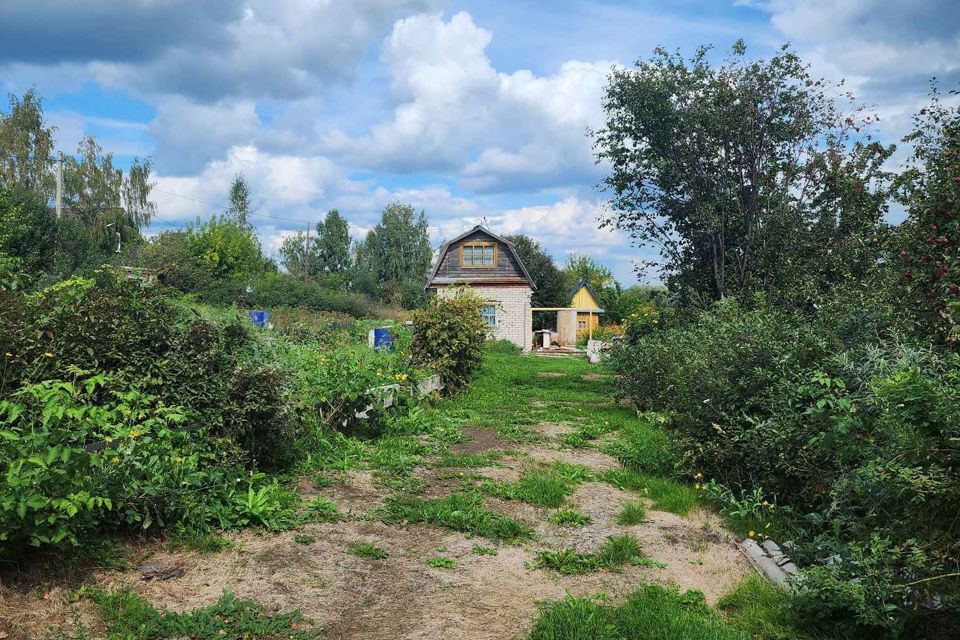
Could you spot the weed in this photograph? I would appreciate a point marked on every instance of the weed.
(570, 518)
(460, 511)
(632, 513)
(367, 550)
(202, 542)
(304, 538)
(481, 550)
(666, 495)
(321, 509)
(130, 617)
(467, 460)
(548, 487)
(442, 562)
(615, 552)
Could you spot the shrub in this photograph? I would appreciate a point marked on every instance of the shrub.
(80, 457)
(448, 337)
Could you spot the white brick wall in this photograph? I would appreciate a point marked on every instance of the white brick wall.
(514, 322)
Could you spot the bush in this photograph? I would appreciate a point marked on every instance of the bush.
(282, 290)
(849, 441)
(449, 336)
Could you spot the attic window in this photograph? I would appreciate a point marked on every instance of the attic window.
(478, 255)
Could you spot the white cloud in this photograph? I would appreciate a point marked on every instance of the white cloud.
(457, 113)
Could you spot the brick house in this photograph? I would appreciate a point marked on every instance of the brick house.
(490, 266)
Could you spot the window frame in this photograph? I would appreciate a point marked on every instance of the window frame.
(485, 315)
(483, 244)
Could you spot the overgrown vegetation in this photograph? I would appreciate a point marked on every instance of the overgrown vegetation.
(806, 366)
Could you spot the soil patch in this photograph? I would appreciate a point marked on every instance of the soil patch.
(550, 430)
(549, 374)
(480, 440)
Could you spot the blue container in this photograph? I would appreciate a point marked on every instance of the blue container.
(382, 340)
(260, 318)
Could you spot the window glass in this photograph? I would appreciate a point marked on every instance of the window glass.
(479, 255)
(488, 256)
(490, 315)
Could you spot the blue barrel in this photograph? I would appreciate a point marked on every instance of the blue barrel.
(260, 318)
(382, 340)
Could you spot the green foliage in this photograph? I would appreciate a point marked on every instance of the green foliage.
(322, 509)
(442, 562)
(130, 617)
(632, 513)
(26, 146)
(224, 247)
(551, 285)
(615, 552)
(569, 518)
(202, 542)
(304, 538)
(654, 612)
(666, 494)
(282, 290)
(586, 268)
(240, 204)
(396, 255)
(930, 237)
(28, 229)
(737, 203)
(460, 511)
(481, 550)
(367, 550)
(642, 446)
(448, 337)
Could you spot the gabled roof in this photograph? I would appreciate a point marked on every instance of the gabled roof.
(583, 283)
(446, 245)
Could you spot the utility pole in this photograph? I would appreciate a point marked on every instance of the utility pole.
(59, 184)
(306, 254)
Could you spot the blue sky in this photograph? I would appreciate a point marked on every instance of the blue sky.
(470, 110)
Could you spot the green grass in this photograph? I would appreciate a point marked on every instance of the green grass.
(464, 512)
(321, 509)
(615, 552)
(481, 550)
(546, 487)
(304, 538)
(666, 494)
(467, 460)
(442, 562)
(569, 518)
(367, 550)
(643, 446)
(130, 617)
(632, 513)
(202, 542)
(753, 611)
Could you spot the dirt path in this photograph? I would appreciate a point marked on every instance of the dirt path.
(484, 597)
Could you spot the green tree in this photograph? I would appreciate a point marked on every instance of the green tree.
(397, 255)
(586, 268)
(240, 205)
(28, 228)
(749, 176)
(551, 287)
(225, 247)
(333, 243)
(929, 238)
(26, 146)
(116, 206)
(298, 257)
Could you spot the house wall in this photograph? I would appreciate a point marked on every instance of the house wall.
(583, 300)
(589, 320)
(514, 320)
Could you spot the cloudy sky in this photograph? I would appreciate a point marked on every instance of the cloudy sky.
(468, 110)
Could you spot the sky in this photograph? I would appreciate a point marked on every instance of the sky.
(473, 111)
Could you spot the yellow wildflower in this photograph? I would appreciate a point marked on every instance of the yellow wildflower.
(751, 533)
(48, 354)
(114, 459)
(698, 475)
(697, 486)
(108, 438)
(765, 503)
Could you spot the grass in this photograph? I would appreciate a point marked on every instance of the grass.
(547, 487)
(569, 518)
(367, 550)
(481, 550)
(467, 460)
(632, 513)
(755, 610)
(615, 552)
(304, 538)
(130, 617)
(442, 562)
(464, 512)
(202, 542)
(666, 494)
(321, 509)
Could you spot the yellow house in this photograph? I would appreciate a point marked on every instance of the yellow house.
(584, 300)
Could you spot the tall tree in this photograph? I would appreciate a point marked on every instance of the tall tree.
(105, 199)
(586, 268)
(551, 286)
(749, 176)
(240, 206)
(26, 146)
(397, 254)
(299, 257)
(333, 243)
